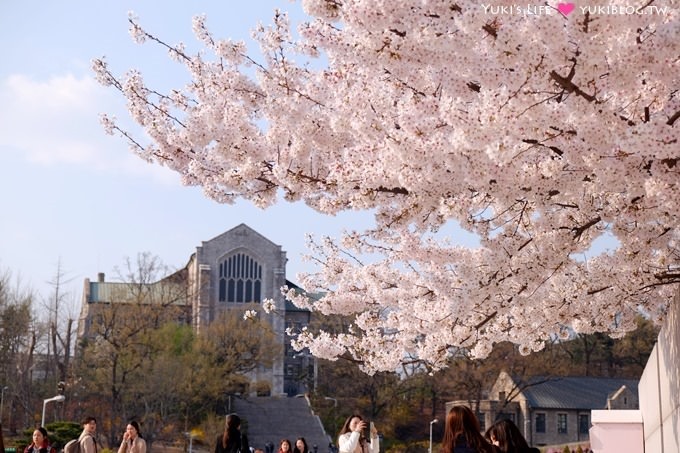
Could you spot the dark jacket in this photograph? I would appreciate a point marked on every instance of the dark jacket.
(463, 447)
(239, 445)
(526, 450)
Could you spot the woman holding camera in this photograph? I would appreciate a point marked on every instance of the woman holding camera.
(353, 440)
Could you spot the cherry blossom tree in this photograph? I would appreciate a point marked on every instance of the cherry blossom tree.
(538, 131)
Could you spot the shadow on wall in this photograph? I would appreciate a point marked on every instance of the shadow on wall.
(668, 402)
(659, 387)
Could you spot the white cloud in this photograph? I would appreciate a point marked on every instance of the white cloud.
(56, 121)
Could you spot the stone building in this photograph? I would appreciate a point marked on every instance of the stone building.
(552, 410)
(237, 267)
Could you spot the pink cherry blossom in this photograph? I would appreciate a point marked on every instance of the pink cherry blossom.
(539, 134)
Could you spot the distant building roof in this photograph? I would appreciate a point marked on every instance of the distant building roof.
(290, 306)
(575, 392)
(154, 293)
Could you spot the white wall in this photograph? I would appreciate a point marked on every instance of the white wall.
(659, 388)
(617, 431)
(657, 423)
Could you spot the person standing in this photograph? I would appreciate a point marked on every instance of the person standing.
(507, 437)
(301, 446)
(231, 440)
(40, 443)
(352, 439)
(132, 440)
(462, 433)
(285, 446)
(87, 442)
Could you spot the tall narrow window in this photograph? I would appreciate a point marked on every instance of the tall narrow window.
(240, 279)
(562, 423)
(583, 423)
(540, 423)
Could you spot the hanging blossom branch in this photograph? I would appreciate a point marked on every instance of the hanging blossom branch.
(432, 115)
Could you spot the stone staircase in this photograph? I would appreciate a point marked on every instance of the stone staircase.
(270, 419)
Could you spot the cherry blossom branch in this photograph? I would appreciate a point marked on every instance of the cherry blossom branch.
(578, 231)
(567, 85)
(434, 117)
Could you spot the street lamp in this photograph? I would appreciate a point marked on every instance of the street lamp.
(191, 435)
(191, 441)
(431, 423)
(57, 399)
(2, 402)
(330, 398)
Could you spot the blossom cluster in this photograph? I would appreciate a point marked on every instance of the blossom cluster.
(539, 134)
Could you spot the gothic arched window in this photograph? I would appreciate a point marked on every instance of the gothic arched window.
(240, 279)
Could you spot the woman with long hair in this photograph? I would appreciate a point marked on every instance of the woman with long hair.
(41, 443)
(508, 438)
(352, 438)
(301, 446)
(231, 440)
(462, 433)
(132, 440)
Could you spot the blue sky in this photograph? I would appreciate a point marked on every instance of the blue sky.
(73, 194)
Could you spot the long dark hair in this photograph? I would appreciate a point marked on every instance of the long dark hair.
(345, 428)
(508, 436)
(461, 423)
(305, 449)
(135, 425)
(231, 434)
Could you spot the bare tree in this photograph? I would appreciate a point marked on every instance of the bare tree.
(62, 325)
(117, 344)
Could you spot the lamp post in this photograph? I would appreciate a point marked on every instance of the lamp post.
(58, 399)
(431, 423)
(191, 441)
(2, 402)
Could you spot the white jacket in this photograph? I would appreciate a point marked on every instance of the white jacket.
(349, 443)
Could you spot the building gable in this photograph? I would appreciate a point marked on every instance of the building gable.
(239, 234)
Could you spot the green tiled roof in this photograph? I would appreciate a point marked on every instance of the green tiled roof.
(156, 293)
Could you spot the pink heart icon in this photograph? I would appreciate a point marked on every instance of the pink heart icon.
(565, 8)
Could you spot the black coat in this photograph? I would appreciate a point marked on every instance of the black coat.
(239, 445)
(463, 447)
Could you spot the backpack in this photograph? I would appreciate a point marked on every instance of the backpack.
(72, 446)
